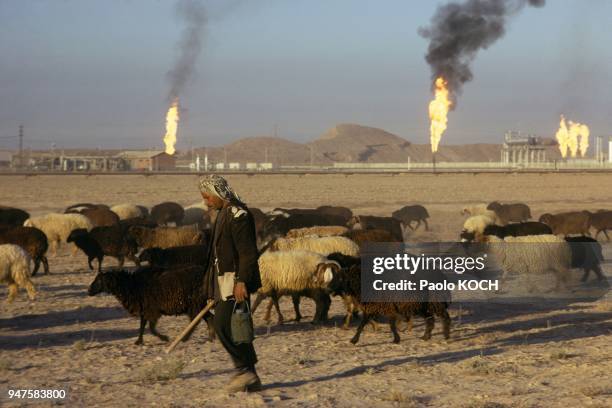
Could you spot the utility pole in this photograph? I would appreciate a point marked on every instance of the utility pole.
(20, 147)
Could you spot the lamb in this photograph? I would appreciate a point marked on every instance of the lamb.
(166, 237)
(12, 217)
(574, 222)
(15, 271)
(32, 240)
(183, 255)
(510, 212)
(552, 254)
(167, 212)
(409, 213)
(510, 230)
(320, 245)
(319, 231)
(295, 272)
(125, 211)
(101, 241)
(151, 293)
(57, 227)
(348, 281)
(367, 222)
(601, 221)
(586, 254)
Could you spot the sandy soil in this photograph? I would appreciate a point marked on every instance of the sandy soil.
(524, 355)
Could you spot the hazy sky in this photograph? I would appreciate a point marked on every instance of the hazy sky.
(93, 73)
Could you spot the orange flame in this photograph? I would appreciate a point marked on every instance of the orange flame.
(578, 129)
(562, 137)
(575, 138)
(438, 110)
(172, 120)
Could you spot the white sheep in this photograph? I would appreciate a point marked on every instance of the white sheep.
(57, 227)
(531, 255)
(126, 211)
(476, 224)
(15, 270)
(295, 272)
(475, 209)
(320, 245)
(481, 209)
(319, 231)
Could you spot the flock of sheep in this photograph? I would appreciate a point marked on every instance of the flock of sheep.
(310, 253)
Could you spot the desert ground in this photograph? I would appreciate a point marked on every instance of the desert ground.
(520, 355)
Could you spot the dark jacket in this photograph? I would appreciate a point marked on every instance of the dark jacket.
(235, 242)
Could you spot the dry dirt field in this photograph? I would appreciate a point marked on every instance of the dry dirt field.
(524, 355)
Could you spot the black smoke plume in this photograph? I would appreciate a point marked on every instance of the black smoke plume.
(459, 30)
(193, 14)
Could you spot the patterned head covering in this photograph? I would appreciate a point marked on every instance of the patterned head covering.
(217, 185)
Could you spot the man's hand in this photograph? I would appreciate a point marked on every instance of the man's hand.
(240, 292)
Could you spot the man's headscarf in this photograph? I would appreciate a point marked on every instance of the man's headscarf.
(217, 185)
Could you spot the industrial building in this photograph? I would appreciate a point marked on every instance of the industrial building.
(522, 149)
(149, 160)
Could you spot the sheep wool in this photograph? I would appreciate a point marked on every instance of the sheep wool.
(15, 270)
(289, 270)
(57, 227)
(320, 245)
(554, 255)
(477, 223)
(319, 231)
(126, 211)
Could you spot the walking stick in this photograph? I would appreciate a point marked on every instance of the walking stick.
(193, 323)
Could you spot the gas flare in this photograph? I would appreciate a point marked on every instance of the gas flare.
(568, 138)
(438, 111)
(578, 129)
(172, 120)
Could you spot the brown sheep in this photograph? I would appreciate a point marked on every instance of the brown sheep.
(601, 221)
(510, 212)
(574, 222)
(343, 212)
(32, 240)
(101, 217)
(369, 222)
(360, 237)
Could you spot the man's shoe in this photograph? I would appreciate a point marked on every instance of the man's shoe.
(244, 382)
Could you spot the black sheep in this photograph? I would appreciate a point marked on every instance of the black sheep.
(409, 213)
(150, 293)
(105, 241)
(586, 254)
(88, 245)
(167, 212)
(12, 217)
(183, 255)
(32, 240)
(518, 229)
